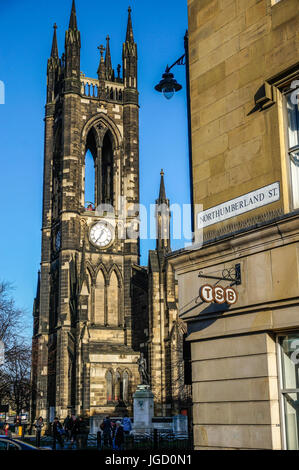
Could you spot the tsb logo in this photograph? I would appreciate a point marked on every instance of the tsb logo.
(218, 294)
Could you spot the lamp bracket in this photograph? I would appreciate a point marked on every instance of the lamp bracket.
(232, 275)
(180, 61)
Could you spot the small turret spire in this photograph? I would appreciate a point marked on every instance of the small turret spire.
(54, 51)
(162, 218)
(108, 63)
(129, 35)
(102, 68)
(162, 192)
(73, 18)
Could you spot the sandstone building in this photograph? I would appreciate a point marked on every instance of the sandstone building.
(244, 78)
(96, 308)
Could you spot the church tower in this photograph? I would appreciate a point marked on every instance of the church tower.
(166, 330)
(84, 340)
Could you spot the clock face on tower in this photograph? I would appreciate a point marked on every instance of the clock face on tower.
(101, 234)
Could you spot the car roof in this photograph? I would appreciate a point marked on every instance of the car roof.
(17, 441)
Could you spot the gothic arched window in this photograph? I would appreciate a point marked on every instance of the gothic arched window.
(113, 301)
(125, 386)
(89, 178)
(118, 387)
(99, 310)
(106, 187)
(89, 174)
(109, 386)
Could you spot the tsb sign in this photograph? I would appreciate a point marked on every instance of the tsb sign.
(218, 294)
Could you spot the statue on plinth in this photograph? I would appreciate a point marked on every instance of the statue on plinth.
(142, 368)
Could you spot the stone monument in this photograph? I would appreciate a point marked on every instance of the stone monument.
(143, 400)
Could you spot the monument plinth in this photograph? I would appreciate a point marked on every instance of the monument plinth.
(143, 408)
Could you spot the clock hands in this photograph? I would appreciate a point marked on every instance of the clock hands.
(100, 236)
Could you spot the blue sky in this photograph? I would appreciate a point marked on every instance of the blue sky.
(25, 38)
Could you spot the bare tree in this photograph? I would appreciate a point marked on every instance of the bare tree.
(10, 317)
(15, 372)
(18, 373)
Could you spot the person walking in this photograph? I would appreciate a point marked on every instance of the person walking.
(119, 438)
(82, 434)
(38, 426)
(73, 429)
(126, 424)
(57, 433)
(107, 432)
(7, 431)
(67, 424)
(18, 426)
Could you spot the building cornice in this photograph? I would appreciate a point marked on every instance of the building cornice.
(263, 236)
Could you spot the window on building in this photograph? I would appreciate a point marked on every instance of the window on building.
(293, 144)
(89, 179)
(90, 170)
(118, 387)
(289, 388)
(113, 300)
(109, 385)
(107, 170)
(126, 379)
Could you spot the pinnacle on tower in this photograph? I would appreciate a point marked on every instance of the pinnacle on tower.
(162, 192)
(129, 35)
(72, 54)
(108, 63)
(102, 69)
(73, 18)
(54, 51)
(162, 218)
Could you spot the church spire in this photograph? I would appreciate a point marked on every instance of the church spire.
(108, 63)
(162, 192)
(73, 18)
(162, 218)
(72, 54)
(52, 69)
(130, 64)
(54, 51)
(129, 35)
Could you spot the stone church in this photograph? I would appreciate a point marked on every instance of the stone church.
(96, 309)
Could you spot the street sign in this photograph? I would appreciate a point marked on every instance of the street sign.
(218, 294)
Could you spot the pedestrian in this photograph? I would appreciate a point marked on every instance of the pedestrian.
(7, 431)
(107, 432)
(73, 429)
(18, 426)
(126, 424)
(38, 426)
(113, 426)
(119, 438)
(67, 424)
(82, 436)
(99, 439)
(57, 433)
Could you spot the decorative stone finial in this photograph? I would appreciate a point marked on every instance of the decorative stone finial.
(101, 49)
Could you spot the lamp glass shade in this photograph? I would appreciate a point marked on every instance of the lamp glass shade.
(168, 92)
(168, 85)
